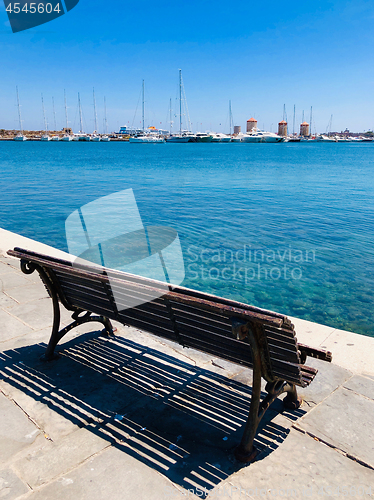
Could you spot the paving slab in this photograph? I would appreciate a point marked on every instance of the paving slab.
(5, 300)
(38, 314)
(13, 278)
(54, 459)
(31, 338)
(361, 385)
(344, 420)
(310, 333)
(6, 267)
(27, 293)
(11, 487)
(10, 240)
(16, 430)
(327, 380)
(54, 423)
(352, 351)
(112, 474)
(301, 468)
(11, 327)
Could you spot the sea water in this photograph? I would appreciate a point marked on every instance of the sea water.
(286, 227)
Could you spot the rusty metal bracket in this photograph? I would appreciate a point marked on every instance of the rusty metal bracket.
(246, 451)
(56, 335)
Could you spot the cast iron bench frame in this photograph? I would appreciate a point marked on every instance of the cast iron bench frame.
(262, 340)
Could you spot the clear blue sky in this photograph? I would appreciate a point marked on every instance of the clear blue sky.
(260, 55)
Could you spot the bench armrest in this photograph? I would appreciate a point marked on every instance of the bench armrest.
(312, 352)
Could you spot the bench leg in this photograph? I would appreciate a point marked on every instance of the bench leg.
(56, 335)
(291, 401)
(246, 452)
(78, 320)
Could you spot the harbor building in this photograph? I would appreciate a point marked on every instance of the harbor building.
(251, 125)
(237, 129)
(304, 129)
(282, 128)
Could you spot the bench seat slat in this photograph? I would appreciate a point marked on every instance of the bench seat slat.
(97, 309)
(281, 343)
(78, 280)
(204, 328)
(211, 349)
(237, 346)
(135, 322)
(191, 311)
(203, 320)
(69, 289)
(191, 338)
(284, 354)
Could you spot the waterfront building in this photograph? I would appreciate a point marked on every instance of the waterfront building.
(237, 129)
(251, 125)
(304, 129)
(282, 128)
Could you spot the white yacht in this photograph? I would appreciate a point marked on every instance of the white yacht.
(219, 137)
(237, 138)
(147, 139)
(66, 138)
(182, 137)
(262, 137)
(203, 137)
(45, 137)
(105, 138)
(55, 138)
(325, 138)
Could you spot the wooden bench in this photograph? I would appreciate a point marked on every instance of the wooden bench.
(262, 340)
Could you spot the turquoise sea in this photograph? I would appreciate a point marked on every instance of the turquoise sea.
(287, 227)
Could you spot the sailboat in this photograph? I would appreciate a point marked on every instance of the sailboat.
(67, 137)
(45, 136)
(19, 136)
(183, 136)
(54, 137)
(105, 138)
(143, 137)
(95, 136)
(81, 136)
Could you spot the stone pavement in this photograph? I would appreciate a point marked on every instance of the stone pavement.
(137, 417)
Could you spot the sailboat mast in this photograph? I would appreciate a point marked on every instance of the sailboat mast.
(143, 104)
(19, 112)
(180, 101)
(66, 110)
(311, 118)
(45, 121)
(54, 113)
(105, 120)
(80, 113)
(294, 117)
(170, 117)
(230, 116)
(95, 114)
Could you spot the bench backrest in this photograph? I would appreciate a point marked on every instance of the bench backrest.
(191, 318)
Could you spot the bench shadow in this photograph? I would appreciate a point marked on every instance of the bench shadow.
(183, 421)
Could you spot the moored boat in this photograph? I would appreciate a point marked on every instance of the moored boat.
(203, 137)
(262, 137)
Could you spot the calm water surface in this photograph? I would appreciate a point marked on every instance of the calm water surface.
(288, 227)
